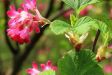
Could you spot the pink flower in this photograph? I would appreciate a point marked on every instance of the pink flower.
(41, 6)
(83, 12)
(34, 70)
(67, 13)
(22, 22)
(48, 66)
(86, 10)
(108, 68)
(110, 13)
(110, 46)
(30, 4)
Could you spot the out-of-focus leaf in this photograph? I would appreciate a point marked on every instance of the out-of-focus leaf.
(47, 72)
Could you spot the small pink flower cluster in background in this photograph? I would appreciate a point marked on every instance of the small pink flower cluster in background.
(86, 10)
(83, 12)
(67, 13)
(34, 70)
(110, 46)
(41, 6)
(110, 13)
(23, 21)
(108, 68)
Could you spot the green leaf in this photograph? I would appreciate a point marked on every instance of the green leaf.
(102, 27)
(81, 4)
(79, 63)
(70, 3)
(84, 24)
(59, 27)
(47, 72)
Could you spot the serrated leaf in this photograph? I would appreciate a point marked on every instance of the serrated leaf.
(84, 24)
(79, 63)
(81, 4)
(70, 3)
(59, 27)
(47, 72)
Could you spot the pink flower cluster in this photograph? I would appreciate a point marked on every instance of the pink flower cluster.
(108, 68)
(83, 12)
(34, 70)
(23, 21)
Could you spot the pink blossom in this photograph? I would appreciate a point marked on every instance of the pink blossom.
(86, 10)
(110, 46)
(89, 7)
(108, 68)
(41, 6)
(110, 13)
(83, 12)
(67, 13)
(48, 66)
(22, 22)
(35, 71)
(30, 4)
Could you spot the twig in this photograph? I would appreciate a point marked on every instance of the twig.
(107, 5)
(12, 49)
(50, 8)
(96, 39)
(17, 47)
(57, 14)
(61, 5)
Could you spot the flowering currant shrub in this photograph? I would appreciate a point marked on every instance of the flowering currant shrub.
(79, 60)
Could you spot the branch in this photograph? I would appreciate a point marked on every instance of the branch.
(57, 14)
(6, 6)
(61, 5)
(96, 39)
(107, 5)
(32, 44)
(50, 8)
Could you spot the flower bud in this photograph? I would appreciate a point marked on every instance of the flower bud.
(75, 40)
(101, 53)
